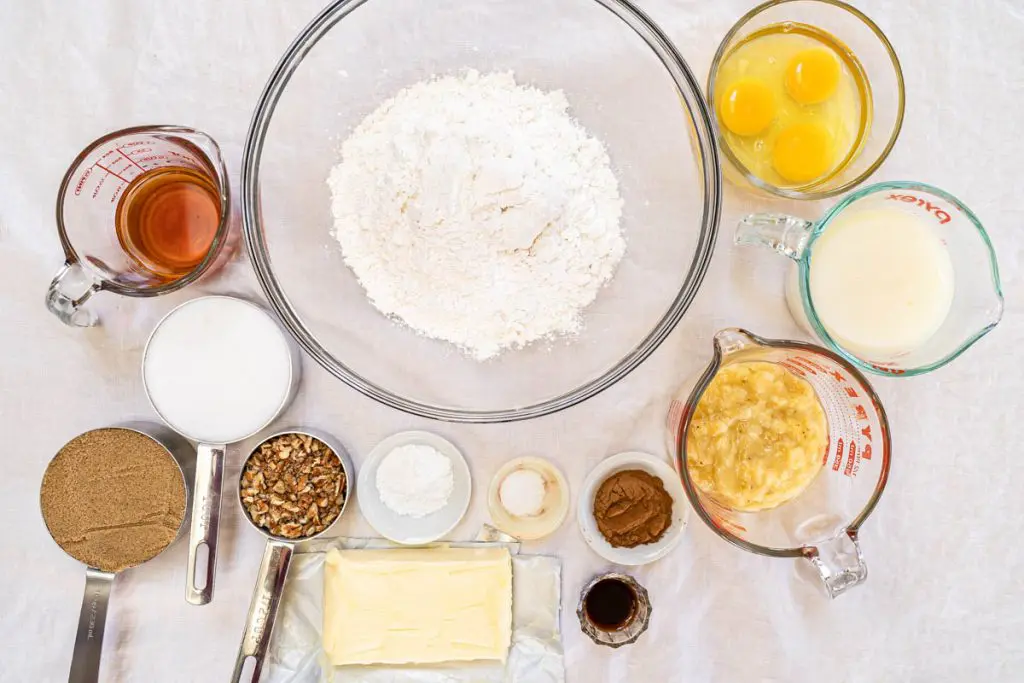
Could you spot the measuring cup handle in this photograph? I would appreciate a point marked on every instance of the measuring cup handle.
(786, 234)
(840, 562)
(85, 662)
(205, 522)
(266, 598)
(70, 288)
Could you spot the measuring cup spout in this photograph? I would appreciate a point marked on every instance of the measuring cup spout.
(839, 561)
(71, 287)
(786, 234)
(734, 339)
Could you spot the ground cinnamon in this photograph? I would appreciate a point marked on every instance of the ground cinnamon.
(113, 498)
(632, 508)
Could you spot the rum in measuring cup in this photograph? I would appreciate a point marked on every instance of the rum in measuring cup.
(167, 219)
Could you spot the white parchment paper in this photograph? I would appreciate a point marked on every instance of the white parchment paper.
(296, 653)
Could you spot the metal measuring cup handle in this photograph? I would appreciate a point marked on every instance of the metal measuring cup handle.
(266, 596)
(85, 661)
(205, 521)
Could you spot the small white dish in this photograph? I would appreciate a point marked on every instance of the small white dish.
(413, 530)
(641, 554)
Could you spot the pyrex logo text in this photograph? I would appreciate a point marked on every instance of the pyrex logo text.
(924, 204)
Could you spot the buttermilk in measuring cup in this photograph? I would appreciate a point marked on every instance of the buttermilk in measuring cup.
(881, 280)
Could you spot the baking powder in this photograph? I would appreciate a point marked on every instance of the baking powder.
(415, 480)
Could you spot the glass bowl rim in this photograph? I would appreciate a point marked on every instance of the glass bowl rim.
(701, 128)
(811, 194)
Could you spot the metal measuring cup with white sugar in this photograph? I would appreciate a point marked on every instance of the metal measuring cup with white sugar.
(217, 370)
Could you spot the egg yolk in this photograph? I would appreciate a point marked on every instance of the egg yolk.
(812, 76)
(803, 152)
(747, 107)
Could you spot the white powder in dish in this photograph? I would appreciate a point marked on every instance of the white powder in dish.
(415, 480)
(476, 210)
(522, 493)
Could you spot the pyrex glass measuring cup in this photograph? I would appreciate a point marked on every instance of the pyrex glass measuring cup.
(975, 303)
(821, 523)
(90, 197)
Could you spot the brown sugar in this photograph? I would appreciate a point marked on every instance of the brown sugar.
(113, 498)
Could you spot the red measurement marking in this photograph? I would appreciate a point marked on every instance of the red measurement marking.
(839, 456)
(128, 158)
(867, 452)
(803, 363)
(793, 367)
(110, 172)
(866, 432)
(851, 392)
(862, 414)
(891, 371)
(814, 364)
(848, 471)
(81, 181)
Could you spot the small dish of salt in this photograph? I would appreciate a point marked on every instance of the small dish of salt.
(528, 498)
(414, 488)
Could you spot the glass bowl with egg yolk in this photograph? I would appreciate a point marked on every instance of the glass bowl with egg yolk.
(795, 102)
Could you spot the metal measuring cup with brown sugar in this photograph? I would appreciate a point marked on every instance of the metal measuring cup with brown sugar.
(293, 487)
(112, 499)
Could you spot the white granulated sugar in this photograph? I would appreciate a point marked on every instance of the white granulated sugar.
(477, 211)
(415, 480)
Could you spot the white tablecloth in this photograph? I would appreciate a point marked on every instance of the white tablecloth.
(944, 599)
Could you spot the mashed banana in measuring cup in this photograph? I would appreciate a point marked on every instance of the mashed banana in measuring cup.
(757, 437)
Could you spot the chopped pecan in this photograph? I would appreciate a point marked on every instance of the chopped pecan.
(293, 486)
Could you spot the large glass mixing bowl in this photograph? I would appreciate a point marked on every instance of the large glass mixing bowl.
(626, 84)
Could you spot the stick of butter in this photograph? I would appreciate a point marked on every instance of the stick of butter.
(419, 605)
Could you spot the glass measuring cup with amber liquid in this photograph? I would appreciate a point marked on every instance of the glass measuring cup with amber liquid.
(167, 219)
(141, 212)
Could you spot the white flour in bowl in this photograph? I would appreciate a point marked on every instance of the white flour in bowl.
(477, 211)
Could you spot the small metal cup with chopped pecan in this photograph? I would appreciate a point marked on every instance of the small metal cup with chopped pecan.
(293, 487)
